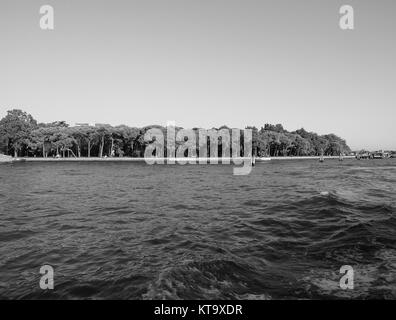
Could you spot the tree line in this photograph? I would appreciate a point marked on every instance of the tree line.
(22, 136)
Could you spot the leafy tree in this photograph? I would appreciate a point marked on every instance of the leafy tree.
(79, 136)
(101, 133)
(39, 140)
(16, 127)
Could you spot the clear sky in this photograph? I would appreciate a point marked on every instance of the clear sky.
(205, 63)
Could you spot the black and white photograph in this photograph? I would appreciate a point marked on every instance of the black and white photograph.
(197, 150)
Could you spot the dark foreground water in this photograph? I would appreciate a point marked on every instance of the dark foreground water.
(129, 230)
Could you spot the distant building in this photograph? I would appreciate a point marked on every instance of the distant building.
(82, 124)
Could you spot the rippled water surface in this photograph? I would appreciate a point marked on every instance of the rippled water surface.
(133, 231)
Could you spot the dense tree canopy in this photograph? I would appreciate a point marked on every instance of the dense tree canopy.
(21, 135)
(16, 128)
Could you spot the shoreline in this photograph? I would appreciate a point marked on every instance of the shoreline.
(188, 160)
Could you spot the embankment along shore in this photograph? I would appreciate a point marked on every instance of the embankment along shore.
(188, 160)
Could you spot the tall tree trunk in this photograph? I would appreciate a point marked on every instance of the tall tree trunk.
(44, 156)
(101, 147)
(7, 146)
(89, 148)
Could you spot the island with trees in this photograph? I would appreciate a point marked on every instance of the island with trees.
(22, 136)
